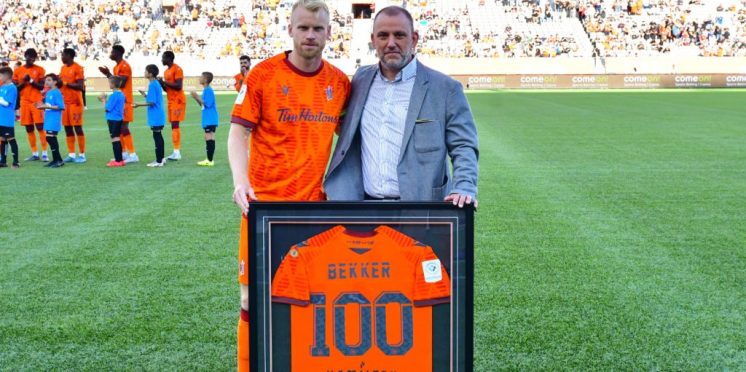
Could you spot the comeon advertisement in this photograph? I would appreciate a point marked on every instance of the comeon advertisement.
(617, 81)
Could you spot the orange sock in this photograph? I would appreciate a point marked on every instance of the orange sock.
(32, 141)
(70, 140)
(131, 143)
(243, 342)
(43, 136)
(81, 143)
(176, 137)
(125, 142)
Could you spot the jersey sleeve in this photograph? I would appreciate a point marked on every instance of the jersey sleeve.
(17, 78)
(79, 75)
(432, 283)
(250, 99)
(125, 71)
(290, 284)
(178, 74)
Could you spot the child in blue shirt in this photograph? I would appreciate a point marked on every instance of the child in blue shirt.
(114, 108)
(156, 115)
(53, 106)
(8, 99)
(209, 116)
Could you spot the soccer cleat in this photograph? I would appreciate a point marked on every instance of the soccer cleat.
(80, 159)
(132, 158)
(56, 164)
(3, 165)
(44, 157)
(16, 165)
(69, 159)
(206, 163)
(116, 164)
(33, 158)
(175, 156)
(156, 164)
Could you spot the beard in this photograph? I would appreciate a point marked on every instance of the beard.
(309, 53)
(397, 63)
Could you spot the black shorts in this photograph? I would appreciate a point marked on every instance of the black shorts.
(51, 132)
(115, 128)
(7, 132)
(210, 128)
(157, 129)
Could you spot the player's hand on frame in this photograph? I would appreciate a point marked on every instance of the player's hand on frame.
(102, 97)
(242, 195)
(142, 92)
(195, 94)
(104, 70)
(27, 78)
(39, 105)
(461, 199)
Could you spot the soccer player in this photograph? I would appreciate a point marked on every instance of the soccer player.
(29, 80)
(209, 116)
(8, 99)
(114, 107)
(245, 62)
(53, 106)
(124, 71)
(289, 108)
(156, 117)
(73, 86)
(173, 83)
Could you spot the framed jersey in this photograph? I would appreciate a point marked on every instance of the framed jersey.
(365, 286)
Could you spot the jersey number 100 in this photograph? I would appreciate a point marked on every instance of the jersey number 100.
(320, 347)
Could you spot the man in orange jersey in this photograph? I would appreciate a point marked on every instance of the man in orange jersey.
(289, 107)
(124, 71)
(173, 84)
(29, 80)
(73, 85)
(245, 62)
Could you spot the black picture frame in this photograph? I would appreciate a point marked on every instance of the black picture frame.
(276, 226)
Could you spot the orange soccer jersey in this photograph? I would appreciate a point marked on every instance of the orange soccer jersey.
(29, 95)
(176, 97)
(293, 116)
(361, 300)
(73, 114)
(123, 69)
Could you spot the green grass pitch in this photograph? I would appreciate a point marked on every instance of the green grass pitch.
(611, 235)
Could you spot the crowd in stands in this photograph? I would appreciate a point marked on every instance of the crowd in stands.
(649, 28)
(226, 29)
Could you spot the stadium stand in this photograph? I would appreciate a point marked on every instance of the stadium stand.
(574, 31)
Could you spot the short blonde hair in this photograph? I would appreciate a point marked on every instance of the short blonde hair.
(312, 6)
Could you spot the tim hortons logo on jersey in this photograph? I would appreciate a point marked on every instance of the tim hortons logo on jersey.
(286, 115)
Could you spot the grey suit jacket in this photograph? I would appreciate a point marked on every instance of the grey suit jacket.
(439, 126)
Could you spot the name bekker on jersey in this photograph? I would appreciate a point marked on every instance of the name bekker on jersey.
(361, 301)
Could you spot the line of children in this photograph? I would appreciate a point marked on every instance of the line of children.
(54, 104)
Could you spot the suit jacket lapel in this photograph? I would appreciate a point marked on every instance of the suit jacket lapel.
(358, 105)
(419, 91)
